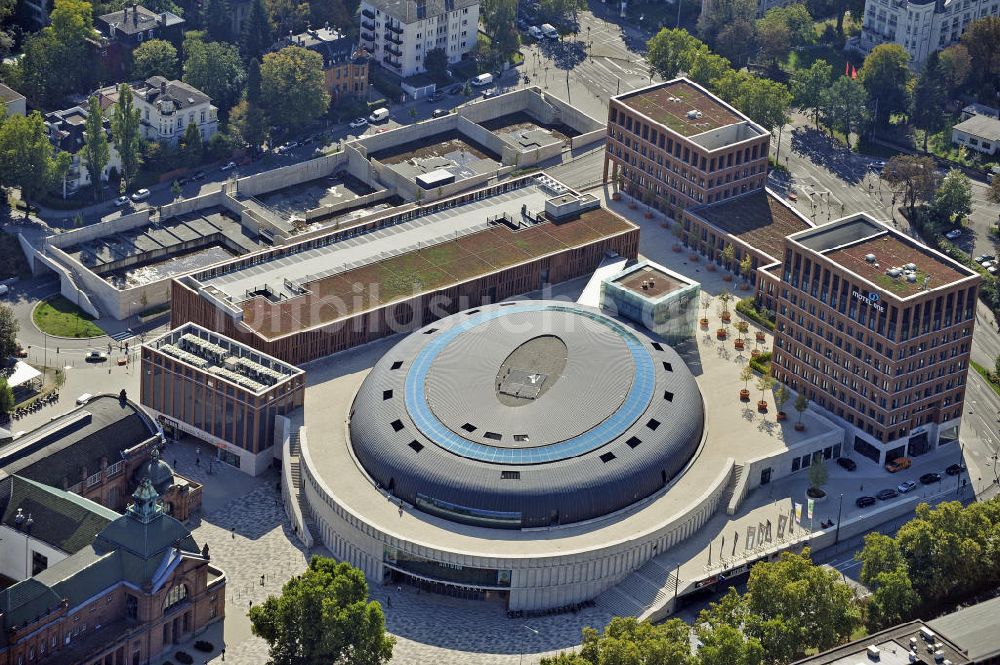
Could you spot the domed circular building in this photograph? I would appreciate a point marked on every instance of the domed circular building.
(536, 452)
(528, 414)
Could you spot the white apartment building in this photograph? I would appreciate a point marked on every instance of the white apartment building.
(920, 27)
(399, 33)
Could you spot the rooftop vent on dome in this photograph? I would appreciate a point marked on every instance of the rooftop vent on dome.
(893, 272)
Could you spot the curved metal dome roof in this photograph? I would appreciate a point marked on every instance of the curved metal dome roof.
(526, 414)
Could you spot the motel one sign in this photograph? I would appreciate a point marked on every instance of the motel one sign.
(871, 299)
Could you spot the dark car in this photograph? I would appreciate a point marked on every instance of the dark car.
(847, 463)
(440, 113)
(865, 501)
(182, 181)
(200, 175)
(930, 478)
(437, 96)
(885, 495)
(96, 357)
(955, 469)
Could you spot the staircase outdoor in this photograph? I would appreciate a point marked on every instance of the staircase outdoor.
(294, 460)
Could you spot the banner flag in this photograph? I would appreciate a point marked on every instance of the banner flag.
(798, 513)
(809, 508)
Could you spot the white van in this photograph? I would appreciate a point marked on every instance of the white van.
(378, 115)
(550, 31)
(482, 80)
(84, 398)
(535, 32)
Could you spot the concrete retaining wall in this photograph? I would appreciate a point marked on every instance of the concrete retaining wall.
(287, 176)
(68, 287)
(588, 138)
(574, 117)
(481, 135)
(193, 204)
(100, 230)
(332, 209)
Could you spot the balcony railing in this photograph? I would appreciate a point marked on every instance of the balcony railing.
(395, 28)
(367, 37)
(394, 51)
(391, 63)
(393, 38)
(367, 13)
(368, 25)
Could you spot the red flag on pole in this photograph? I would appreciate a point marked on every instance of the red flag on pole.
(847, 69)
(854, 72)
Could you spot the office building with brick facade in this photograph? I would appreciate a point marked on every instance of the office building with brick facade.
(220, 391)
(876, 329)
(674, 145)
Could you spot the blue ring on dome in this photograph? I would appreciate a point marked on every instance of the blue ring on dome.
(636, 401)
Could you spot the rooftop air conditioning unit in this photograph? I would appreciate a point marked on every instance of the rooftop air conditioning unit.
(870, 258)
(873, 652)
(910, 266)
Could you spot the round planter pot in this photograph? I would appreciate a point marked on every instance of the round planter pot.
(721, 334)
(678, 248)
(744, 286)
(760, 337)
(632, 206)
(754, 353)
(727, 317)
(782, 415)
(761, 405)
(727, 278)
(647, 215)
(744, 395)
(739, 344)
(817, 499)
(704, 323)
(616, 197)
(692, 257)
(799, 427)
(710, 267)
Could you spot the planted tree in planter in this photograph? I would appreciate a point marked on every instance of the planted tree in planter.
(746, 266)
(801, 404)
(817, 478)
(728, 256)
(764, 384)
(620, 181)
(706, 302)
(725, 297)
(741, 327)
(724, 315)
(781, 396)
(678, 232)
(745, 375)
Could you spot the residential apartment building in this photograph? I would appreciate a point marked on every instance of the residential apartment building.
(921, 27)
(876, 329)
(675, 145)
(220, 391)
(124, 30)
(66, 132)
(399, 33)
(88, 586)
(345, 64)
(166, 108)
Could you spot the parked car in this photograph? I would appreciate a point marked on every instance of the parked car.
(898, 464)
(183, 181)
(906, 486)
(847, 463)
(437, 96)
(886, 494)
(481, 81)
(984, 258)
(489, 92)
(988, 264)
(864, 501)
(930, 478)
(200, 175)
(358, 122)
(440, 113)
(140, 195)
(96, 357)
(993, 270)
(955, 469)
(121, 201)
(953, 234)
(535, 32)
(877, 166)
(379, 115)
(228, 167)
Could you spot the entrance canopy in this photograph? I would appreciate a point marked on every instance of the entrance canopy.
(22, 374)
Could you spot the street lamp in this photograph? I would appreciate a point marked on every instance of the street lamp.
(537, 634)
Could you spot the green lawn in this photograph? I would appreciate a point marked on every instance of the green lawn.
(986, 375)
(803, 59)
(62, 318)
